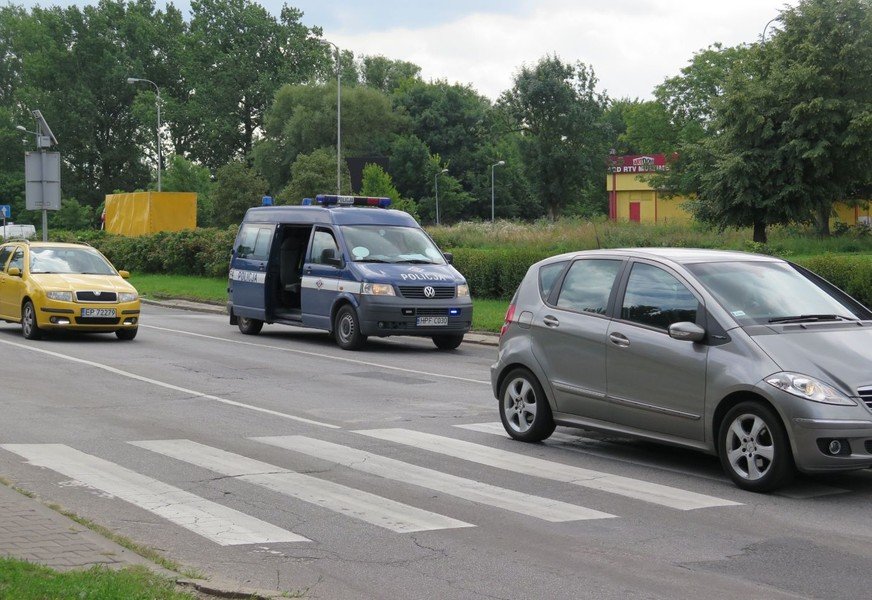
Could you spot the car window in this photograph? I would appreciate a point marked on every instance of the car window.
(588, 285)
(656, 298)
(4, 256)
(17, 260)
(547, 276)
(68, 260)
(323, 240)
(254, 242)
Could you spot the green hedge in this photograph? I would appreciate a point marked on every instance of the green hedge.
(851, 273)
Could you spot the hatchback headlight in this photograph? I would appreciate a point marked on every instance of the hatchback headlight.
(462, 290)
(809, 388)
(378, 289)
(62, 296)
(127, 296)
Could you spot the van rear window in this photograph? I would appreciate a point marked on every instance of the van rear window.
(254, 242)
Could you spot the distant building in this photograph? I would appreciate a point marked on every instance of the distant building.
(633, 198)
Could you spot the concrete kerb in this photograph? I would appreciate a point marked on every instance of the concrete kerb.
(473, 337)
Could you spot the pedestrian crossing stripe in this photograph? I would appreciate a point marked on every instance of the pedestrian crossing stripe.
(522, 464)
(361, 505)
(468, 489)
(213, 521)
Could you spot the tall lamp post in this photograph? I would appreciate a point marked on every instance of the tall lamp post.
(496, 164)
(159, 153)
(765, 27)
(436, 181)
(613, 197)
(338, 118)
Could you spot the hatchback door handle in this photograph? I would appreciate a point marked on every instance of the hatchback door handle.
(619, 339)
(551, 321)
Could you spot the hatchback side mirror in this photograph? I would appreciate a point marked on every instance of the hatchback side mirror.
(14, 272)
(686, 331)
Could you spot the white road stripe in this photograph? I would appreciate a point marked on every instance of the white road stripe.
(355, 503)
(218, 523)
(331, 357)
(537, 467)
(468, 489)
(169, 386)
(496, 428)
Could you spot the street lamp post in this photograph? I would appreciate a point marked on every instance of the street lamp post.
(496, 164)
(159, 152)
(338, 117)
(765, 27)
(436, 181)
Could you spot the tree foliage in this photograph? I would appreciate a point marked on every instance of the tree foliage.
(238, 188)
(313, 174)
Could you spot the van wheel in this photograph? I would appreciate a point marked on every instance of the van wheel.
(249, 326)
(447, 342)
(524, 409)
(346, 329)
(754, 449)
(29, 328)
(126, 334)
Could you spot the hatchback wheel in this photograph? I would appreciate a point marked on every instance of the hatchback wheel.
(29, 328)
(524, 409)
(754, 449)
(249, 326)
(346, 329)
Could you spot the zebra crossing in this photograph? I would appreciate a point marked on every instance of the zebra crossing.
(226, 526)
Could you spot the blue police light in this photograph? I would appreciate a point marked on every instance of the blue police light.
(307, 202)
(453, 312)
(334, 200)
(266, 201)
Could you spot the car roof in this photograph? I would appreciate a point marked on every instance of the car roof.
(342, 215)
(674, 255)
(33, 244)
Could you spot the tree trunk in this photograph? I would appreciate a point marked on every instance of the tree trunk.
(823, 220)
(760, 232)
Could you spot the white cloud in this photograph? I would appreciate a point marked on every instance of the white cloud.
(632, 45)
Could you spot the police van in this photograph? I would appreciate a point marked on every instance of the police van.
(347, 265)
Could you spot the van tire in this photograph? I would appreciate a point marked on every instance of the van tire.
(447, 342)
(249, 326)
(346, 329)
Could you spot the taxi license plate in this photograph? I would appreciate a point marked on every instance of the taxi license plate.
(432, 321)
(98, 312)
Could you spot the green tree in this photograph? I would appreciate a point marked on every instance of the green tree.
(409, 166)
(377, 183)
(237, 188)
(73, 216)
(183, 175)
(313, 174)
(386, 74)
(649, 129)
(565, 137)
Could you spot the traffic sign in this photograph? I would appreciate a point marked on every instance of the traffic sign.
(42, 173)
(6, 211)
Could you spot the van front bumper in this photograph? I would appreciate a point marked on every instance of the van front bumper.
(391, 315)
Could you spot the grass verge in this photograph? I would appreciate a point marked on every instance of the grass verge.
(26, 581)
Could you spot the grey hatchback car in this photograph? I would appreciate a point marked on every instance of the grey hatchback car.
(748, 357)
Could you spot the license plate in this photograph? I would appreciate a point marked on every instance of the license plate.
(98, 312)
(432, 321)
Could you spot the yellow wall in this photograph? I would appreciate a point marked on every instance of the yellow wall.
(669, 210)
(139, 213)
(850, 215)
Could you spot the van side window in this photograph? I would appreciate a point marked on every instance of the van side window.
(656, 298)
(323, 240)
(254, 242)
(4, 256)
(588, 285)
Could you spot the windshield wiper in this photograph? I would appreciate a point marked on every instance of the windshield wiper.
(373, 260)
(416, 261)
(810, 318)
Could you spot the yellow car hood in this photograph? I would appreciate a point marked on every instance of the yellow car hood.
(73, 282)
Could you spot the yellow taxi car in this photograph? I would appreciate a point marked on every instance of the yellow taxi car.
(51, 286)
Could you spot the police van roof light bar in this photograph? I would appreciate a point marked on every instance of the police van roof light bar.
(334, 200)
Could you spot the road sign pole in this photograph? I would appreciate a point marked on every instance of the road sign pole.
(44, 211)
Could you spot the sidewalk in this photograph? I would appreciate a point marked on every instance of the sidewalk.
(473, 337)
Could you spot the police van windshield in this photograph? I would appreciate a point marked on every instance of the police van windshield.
(391, 244)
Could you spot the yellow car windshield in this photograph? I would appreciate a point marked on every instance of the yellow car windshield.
(69, 260)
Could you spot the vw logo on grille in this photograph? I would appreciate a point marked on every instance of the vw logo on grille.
(97, 293)
(429, 292)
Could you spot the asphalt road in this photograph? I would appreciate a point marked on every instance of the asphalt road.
(286, 463)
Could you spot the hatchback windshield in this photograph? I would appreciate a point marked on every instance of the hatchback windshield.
(69, 260)
(769, 292)
(391, 244)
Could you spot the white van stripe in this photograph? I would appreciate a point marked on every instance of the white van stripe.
(213, 521)
(361, 505)
(519, 463)
(468, 489)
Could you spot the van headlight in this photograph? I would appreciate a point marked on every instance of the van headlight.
(462, 290)
(127, 296)
(378, 289)
(61, 296)
(809, 388)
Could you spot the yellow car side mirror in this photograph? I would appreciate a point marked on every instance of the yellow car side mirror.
(14, 272)
(124, 274)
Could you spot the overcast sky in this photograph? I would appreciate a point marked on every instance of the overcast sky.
(633, 45)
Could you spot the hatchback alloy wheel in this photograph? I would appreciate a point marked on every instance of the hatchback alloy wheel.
(525, 412)
(753, 448)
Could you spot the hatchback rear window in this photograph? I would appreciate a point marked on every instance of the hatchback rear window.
(547, 276)
(588, 285)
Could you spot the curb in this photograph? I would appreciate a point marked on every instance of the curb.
(474, 337)
(229, 590)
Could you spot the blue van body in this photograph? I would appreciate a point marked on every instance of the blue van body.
(355, 272)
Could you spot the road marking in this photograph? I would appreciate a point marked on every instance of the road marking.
(331, 357)
(367, 507)
(218, 523)
(170, 386)
(496, 428)
(527, 465)
(468, 489)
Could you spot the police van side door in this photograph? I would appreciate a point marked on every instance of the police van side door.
(248, 270)
(320, 278)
